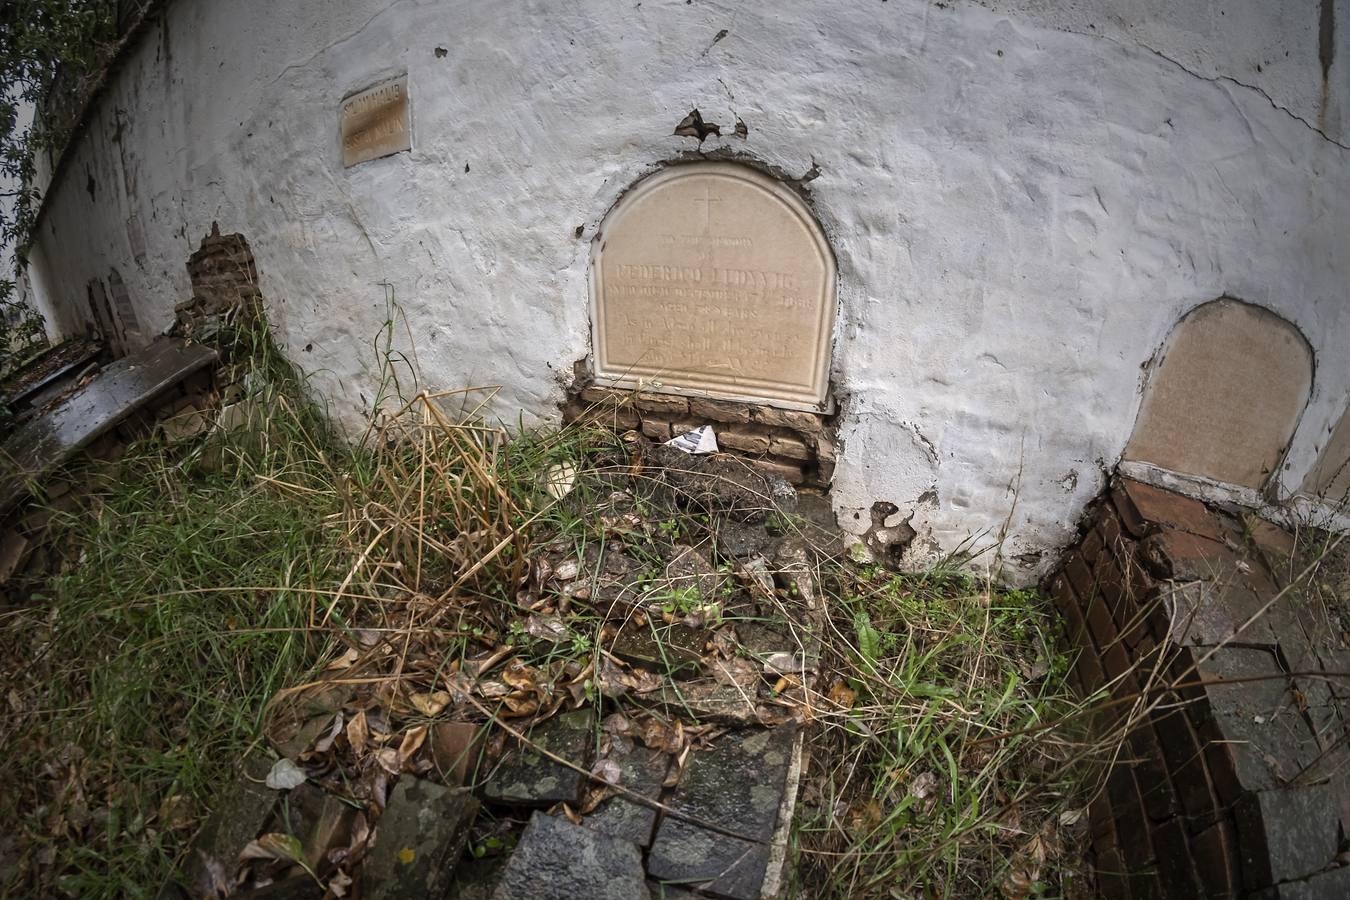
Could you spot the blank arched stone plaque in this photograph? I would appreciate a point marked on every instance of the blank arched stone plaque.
(714, 278)
(1225, 398)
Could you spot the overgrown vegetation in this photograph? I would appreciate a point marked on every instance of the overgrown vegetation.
(46, 47)
(937, 779)
(206, 586)
(137, 676)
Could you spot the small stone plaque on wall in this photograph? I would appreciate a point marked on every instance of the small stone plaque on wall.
(714, 278)
(376, 122)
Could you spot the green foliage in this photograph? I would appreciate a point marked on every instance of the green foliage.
(144, 667)
(49, 53)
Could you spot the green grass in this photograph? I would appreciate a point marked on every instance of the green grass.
(197, 576)
(142, 670)
(920, 783)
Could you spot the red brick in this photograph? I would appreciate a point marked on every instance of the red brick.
(1113, 881)
(744, 441)
(1080, 576)
(1101, 625)
(1185, 759)
(1091, 547)
(1175, 867)
(1101, 822)
(1088, 666)
(1130, 820)
(1169, 509)
(719, 410)
(1215, 852)
(1113, 538)
(1150, 774)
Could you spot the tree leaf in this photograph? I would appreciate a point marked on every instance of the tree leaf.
(285, 775)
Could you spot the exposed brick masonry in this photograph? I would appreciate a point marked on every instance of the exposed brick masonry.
(797, 445)
(1236, 784)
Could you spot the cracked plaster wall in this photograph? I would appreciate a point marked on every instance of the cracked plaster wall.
(1024, 198)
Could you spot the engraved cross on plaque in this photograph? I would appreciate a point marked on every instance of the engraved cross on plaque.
(707, 200)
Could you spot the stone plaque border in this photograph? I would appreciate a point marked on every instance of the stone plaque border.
(815, 398)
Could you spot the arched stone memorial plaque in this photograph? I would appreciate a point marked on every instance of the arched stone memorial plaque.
(1225, 398)
(714, 278)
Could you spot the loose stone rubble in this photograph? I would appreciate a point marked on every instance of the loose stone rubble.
(670, 779)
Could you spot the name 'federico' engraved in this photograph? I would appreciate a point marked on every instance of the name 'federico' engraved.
(714, 278)
(375, 122)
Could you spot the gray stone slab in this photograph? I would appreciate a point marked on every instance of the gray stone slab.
(1285, 835)
(739, 541)
(556, 860)
(737, 786)
(418, 841)
(525, 777)
(45, 442)
(237, 818)
(1269, 738)
(641, 771)
(1330, 885)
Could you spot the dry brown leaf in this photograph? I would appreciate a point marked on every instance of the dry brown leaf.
(412, 742)
(842, 695)
(274, 846)
(389, 760)
(358, 733)
(520, 676)
(430, 704)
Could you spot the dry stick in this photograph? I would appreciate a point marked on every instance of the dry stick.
(348, 580)
(631, 795)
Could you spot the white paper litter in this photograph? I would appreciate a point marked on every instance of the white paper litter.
(700, 440)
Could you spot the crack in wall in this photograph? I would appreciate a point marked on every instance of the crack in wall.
(1215, 79)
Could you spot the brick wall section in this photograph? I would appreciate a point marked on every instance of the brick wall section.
(1238, 782)
(224, 279)
(797, 445)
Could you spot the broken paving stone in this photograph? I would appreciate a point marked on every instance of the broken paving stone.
(1265, 733)
(724, 700)
(526, 777)
(476, 879)
(669, 891)
(691, 576)
(299, 887)
(723, 484)
(238, 817)
(736, 540)
(672, 649)
(641, 771)
(737, 786)
(418, 840)
(556, 860)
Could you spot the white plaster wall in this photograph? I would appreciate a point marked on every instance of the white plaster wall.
(1021, 206)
